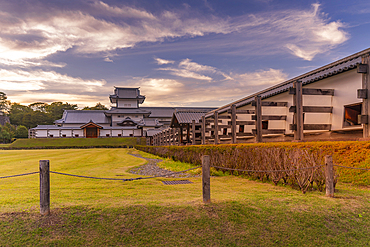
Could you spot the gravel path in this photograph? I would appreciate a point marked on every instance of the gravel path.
(152, 169)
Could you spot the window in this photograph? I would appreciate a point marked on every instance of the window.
(241, 128)
(212, 132)
(76, 135)
(64, 135)
(131, 135)
(107, 135)
(351, 113)
(127, 105)
(224, 131)
(118, 116)
(265, 124)
(119, 134)
(51, 135)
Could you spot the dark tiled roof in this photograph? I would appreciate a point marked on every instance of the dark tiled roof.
(115, 110)
(83, 116)
(186, 117)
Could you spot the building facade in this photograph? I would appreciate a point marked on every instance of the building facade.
(125, 119)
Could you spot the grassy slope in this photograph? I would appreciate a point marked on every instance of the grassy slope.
(146, 212)
(75, 142)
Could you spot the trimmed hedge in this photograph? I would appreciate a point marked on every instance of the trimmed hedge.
(280, 156)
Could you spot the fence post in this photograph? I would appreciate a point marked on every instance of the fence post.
(203, 130)
(44, 187)
(193, 132)
(206, 181)
(233, 124)
(329, 175)
(258, 118)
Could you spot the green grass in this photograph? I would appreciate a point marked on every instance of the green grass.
(76, 142)
(87, 212)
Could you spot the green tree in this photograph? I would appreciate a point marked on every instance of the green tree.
(98, 106)
(55, 109)
(4, 103)
(7, 133)
(21, 132)
(17, 114)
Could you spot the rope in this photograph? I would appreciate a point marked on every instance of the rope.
(18, 175)
(232, 169)
(122, 179)
(356, 168)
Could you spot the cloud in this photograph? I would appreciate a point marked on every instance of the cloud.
(217, 90)
(32, 36)
(107, 59)
(188, 69)
(20, 80)
(305, 33)
(161, 61)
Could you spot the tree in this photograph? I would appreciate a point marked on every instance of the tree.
(55, 109)
(4, 103)
(17, 114)
(7, 132)
(21, 132)
(98, 106)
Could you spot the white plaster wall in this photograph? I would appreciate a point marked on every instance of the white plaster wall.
(55, 133)
(121, 103)
(41, 133)
(67, 132)
(345, 87)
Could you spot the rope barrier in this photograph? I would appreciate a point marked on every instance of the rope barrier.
(123, 179)
(18, 175)
(356, 168)
(232, 169)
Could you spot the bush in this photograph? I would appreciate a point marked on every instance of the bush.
(21, 132)
(280, 156)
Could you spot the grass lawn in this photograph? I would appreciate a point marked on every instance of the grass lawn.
(76, 142)
(147, 213)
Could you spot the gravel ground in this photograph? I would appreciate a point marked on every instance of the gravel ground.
(152, 169)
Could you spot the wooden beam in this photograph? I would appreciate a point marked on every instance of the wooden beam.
(361, 93)
(203, 130)
(209, 129)
(223, 117)
(258, 109)
(365, 102)
(193, 132)
(314, 109)
(298, 113)
(270, 131)
(243, 122)
(216, 127)
(313, 91)
(212, 121)
(244, 134)
(270, 117)
(312, 127)
(233, 124)
(242, 111)
(269, 103)
(362, 119)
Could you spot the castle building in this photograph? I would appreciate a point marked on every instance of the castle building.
(125, 119)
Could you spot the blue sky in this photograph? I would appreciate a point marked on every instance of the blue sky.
(180, 53)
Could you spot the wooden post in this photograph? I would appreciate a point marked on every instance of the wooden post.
(258, 118)
(366, 102)
(298, 115)
(44, 187)
(216, 127)
(181, 136)
(329, 175)
(193, 132)
(233, 124)
(203, 130)
(187, 133)
(206, 181)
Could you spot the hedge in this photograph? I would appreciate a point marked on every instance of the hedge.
(280, 156)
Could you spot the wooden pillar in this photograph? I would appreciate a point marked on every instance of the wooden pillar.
(44, 187)
(206, 181)
(298, 115)
(193, 131)
(173, 136)
(258, 118)
(203, 130)
(187, 133)
(233, 124)
(216, 127)
(366, 102)
(181, 136)
(329, 175)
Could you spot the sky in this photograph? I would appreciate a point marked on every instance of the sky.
(180, 53)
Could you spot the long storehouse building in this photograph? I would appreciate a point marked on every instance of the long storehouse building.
(328, 103)
(125, 119)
